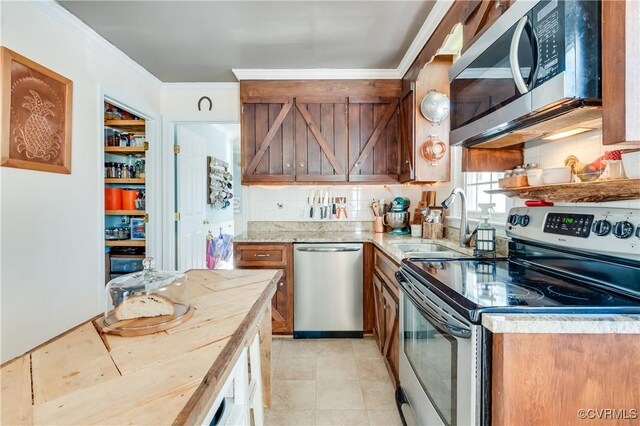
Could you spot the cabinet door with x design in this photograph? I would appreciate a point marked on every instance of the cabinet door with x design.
(321, 139)
(268, 140)
(374, 149)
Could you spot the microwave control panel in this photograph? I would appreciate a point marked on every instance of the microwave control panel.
(548, 24)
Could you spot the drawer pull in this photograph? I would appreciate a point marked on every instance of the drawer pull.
(281, 284)
(262, 255)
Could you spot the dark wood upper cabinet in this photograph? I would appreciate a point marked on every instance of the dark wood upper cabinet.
(321, 139)
(374, 148)
(407, 135)
(620, 65)
(320, 131)
(268, 140)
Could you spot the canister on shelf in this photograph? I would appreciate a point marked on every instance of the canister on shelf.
(129, 199)
(113, 198)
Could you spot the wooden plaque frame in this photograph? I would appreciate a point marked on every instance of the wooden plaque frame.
(36, 115)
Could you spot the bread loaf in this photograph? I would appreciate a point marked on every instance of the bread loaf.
(144, 306)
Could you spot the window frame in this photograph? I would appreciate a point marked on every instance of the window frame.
(498, 218)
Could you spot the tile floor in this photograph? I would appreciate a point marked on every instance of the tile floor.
(330, 382)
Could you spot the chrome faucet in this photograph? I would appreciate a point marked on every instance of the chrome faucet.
(465, 235)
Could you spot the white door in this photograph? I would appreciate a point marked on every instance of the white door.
(191, 194)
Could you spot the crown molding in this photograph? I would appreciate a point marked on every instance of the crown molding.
(74, 24)
(315, 74)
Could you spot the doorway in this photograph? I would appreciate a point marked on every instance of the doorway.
(205, 156)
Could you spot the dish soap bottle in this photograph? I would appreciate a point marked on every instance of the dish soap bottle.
(486, 234)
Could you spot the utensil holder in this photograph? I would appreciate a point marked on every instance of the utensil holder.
(378, 226)
(432, 231)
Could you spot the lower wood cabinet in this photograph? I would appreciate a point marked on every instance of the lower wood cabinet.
(565, 379)
(386, 312)
(272, 256)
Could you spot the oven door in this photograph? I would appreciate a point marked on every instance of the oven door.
(439, 360)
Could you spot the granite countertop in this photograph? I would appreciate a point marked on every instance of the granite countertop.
(561, 323)
(497, 323)
(383, 241)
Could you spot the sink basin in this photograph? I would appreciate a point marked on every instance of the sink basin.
(426, 250)
(418, 248)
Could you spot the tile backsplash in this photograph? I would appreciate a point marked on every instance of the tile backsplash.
(289, 203)
(587, 147)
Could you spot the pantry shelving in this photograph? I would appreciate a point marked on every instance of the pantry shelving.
(121, 181)
(124, 243)
(124, 212)
(125, 149)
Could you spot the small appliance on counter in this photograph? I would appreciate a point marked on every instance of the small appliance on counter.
(398, 216)
(146, 302)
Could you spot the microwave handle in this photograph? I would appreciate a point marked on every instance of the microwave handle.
(513, 56)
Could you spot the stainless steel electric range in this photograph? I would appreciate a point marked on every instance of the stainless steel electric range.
(565, 260)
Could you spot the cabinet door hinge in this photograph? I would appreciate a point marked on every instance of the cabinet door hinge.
(146, 146)
(176, 216)
(176, 149)
(146, 218)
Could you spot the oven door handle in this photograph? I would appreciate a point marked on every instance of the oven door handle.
(445, 320)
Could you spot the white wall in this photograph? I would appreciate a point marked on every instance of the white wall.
(52, 224)
(180, 102)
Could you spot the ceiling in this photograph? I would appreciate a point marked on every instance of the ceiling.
(201, 41)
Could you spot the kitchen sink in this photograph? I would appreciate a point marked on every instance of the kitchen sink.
(426, 250)
(424, 247)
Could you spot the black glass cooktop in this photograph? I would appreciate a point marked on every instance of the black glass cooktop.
(476, 286)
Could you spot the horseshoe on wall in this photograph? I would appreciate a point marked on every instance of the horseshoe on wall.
(202, 99)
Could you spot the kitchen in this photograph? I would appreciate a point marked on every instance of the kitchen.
(318, 143)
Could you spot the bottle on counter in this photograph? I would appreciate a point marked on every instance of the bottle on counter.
(486, 234)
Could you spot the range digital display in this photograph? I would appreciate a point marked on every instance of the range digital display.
(574, 225)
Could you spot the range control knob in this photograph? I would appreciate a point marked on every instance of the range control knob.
(638, 231)
(523, 220)
(513, 219)
(601, 227)
(623, 229)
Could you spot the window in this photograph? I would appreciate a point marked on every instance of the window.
(475, 184)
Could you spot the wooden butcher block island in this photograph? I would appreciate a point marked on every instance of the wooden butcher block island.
(171, 377)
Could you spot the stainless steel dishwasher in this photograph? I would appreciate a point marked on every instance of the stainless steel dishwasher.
(327, 296)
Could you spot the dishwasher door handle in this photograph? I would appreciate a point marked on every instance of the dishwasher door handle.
(328, 249)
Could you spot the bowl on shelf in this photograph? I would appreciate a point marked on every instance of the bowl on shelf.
(631, 162)
(556, 175)
(534, 177)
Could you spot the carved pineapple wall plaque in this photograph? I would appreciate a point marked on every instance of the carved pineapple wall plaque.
(36, 115)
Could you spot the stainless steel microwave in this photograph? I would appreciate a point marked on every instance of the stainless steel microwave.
(540, 61)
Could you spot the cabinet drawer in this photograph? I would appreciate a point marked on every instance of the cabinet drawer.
(387, 269)
(261, 255)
